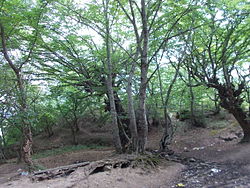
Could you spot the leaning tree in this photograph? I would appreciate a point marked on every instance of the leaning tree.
(217, 57)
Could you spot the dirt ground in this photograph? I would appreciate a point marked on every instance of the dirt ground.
(122, 178)
(75, 157)
(202, 158)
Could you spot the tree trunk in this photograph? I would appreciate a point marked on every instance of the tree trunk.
(73, 131)
(248, 98)
(123, 121)
(27, 146)
(77, 127)
(2, 154)
(231, 101)
(26, 128)
(115, 128)
(74, 127)
(131, 112)
(142, 124)
(2, 144)
(168, 131)
(244, 123)
(216, 104)
(167, 134)
(3, 135)
(192, 116)
(22, 101)
(48, 129)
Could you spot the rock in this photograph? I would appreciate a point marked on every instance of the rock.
(215, 170)
(180, 185)
(198, 148)
(120, 179)
(228, 137)
(239, 134)
(192, 160)
(24, 173)
(186, 149)
(107, 168)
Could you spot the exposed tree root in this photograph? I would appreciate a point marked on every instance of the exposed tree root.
(141, 161)
(56, 172)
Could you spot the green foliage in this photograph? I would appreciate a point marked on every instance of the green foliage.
(62, 43)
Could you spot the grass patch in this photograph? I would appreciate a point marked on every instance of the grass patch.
(39, 167)
(214, 132)
(64, 149)
(146, 161)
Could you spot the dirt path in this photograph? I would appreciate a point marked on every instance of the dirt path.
(200, 173)
(211, 161)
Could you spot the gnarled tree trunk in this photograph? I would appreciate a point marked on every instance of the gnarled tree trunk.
(167, 135)
(27, 146)
(231, 101)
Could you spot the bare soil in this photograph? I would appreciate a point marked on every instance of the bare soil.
(209, 157)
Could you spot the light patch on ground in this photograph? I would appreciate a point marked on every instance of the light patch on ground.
(122, 178)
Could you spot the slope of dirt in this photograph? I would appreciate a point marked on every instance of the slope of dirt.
(75, 157)
(214, 157)
(89, 133)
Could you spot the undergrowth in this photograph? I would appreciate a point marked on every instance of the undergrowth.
(64, 149)
(146, 161)
(38, 167)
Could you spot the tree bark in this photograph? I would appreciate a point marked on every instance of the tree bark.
(49, 130)
(142, 124)
(3, 135)
(168, 131)
(22, 101)
(241, 117)
(73, 131)
(74, 127)
(27, 146)
(123, 121)
(231, 101)
(167, 134)
(131, 112)
(192, 116)
(216, 104)
(115, 127)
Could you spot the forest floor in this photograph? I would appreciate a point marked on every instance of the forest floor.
(203, 157)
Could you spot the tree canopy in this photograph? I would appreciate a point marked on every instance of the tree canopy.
(132, 62)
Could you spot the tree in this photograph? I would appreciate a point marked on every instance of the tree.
(168, 126)
(71, 106)
(109, 80)
(217, 56)
(127, 49)
(18, 27)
